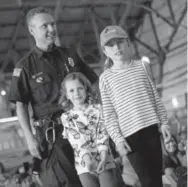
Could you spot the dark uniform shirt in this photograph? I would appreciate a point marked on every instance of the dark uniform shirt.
(37, 78)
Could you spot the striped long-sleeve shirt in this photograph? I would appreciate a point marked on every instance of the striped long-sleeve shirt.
(130, 101)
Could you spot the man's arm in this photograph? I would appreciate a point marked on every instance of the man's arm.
(23, 117)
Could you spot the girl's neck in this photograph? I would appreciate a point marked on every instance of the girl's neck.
(81, 107)
(121, 64)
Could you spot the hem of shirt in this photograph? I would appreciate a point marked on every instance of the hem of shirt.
(140, 128)
(14, 101)
(119, 140)
(108, 166)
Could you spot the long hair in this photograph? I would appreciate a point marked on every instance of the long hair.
(63, 100)
(108, 63)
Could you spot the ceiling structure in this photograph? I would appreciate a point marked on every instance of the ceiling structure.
(79, 23)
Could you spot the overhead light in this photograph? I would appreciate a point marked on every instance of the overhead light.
(175, 102)
(145, 59)
(3, 92)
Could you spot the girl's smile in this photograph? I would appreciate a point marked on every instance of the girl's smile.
(76, 92)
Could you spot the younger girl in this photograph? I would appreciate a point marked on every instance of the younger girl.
(84, 128)
(132, 109)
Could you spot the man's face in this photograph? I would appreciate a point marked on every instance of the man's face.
(43, 28)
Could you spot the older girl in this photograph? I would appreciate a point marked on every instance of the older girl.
(133, 111)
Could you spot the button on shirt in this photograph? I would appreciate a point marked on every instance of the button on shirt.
(38, 76)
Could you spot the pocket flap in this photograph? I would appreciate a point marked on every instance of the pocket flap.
(39, 80)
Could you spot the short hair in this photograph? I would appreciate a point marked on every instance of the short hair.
(35, 11)
(66, 104)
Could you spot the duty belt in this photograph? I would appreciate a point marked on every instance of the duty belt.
(48, 126)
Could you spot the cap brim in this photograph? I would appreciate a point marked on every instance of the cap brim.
(111, 38)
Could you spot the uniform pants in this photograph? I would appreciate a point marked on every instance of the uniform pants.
(146, 156)
(57, 170)
(108, 178)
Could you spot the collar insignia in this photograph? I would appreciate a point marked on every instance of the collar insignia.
(71, 62)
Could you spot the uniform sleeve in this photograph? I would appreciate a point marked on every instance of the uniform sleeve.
(19, 90)
(110, 116)
(102, 135)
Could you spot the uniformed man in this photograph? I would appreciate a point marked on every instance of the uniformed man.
(36, 82)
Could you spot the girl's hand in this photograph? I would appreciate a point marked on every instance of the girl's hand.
(88, 162)
(123, 148)
(101, 166)
(102, 163)
(165, 130)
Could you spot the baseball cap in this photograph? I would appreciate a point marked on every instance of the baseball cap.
(111, 32)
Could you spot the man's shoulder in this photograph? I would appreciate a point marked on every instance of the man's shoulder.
(25, 60)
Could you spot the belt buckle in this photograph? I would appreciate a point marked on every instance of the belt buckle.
(51, 128)
(37, 124)
(58, 120)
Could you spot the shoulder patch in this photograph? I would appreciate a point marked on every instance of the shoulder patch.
(17, 72)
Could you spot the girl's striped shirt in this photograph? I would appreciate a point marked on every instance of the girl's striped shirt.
(130, 101)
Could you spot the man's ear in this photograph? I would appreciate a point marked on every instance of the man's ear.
(30, 28)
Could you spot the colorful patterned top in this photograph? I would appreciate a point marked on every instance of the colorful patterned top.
(86, 133)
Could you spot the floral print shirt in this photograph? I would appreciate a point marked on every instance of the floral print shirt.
(86, 133)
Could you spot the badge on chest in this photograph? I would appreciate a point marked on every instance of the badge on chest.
(71, 62)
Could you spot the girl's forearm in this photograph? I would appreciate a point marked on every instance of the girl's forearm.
(103, 154)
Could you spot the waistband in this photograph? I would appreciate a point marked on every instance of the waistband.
(42, 122)
(48, 128)
(41, 112)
